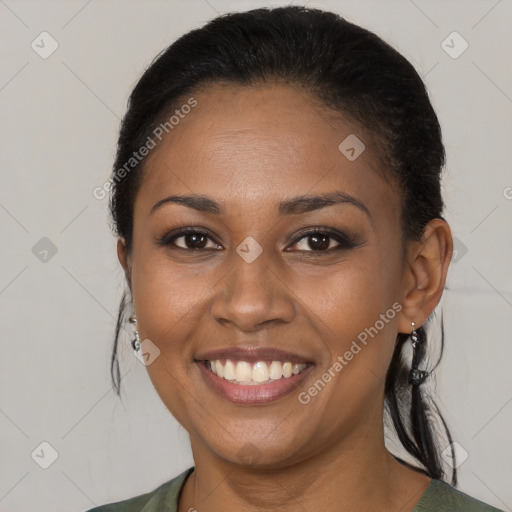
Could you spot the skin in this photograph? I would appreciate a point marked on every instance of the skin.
(249, 148)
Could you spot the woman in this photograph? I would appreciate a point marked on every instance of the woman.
(276, 197)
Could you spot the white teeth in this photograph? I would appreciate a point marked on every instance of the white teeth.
(229, 370)
(219, 368)
(275, 370)
(257, 373)
(243, 371)
(260, 372)
(297, 368)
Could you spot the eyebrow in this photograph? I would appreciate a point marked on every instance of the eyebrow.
(295, 205)
(199, 203)
(303, 204)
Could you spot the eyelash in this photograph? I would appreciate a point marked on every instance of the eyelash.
(345, 242)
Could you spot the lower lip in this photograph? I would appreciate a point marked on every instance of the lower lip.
(252, 395)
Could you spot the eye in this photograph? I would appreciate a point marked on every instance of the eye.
(323, 240)
(191, 239)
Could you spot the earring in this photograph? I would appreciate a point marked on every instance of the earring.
(136, 339)
(416, 377)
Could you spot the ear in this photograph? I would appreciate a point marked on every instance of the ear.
(425, 274)
(124, 259)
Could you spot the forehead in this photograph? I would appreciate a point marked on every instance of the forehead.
(254, 146)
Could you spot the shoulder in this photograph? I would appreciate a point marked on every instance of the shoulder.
(440, 497)
(163, 498)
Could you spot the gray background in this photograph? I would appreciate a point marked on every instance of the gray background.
(60, 117)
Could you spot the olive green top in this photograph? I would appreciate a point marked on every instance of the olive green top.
(438, 497)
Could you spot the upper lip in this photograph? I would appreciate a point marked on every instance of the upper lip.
(252, 354)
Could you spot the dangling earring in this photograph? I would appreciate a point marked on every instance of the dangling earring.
(136, 339)
(416, 377)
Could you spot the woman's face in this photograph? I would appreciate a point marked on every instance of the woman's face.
(257, 280)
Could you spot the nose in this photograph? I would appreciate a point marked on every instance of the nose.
(252, 295)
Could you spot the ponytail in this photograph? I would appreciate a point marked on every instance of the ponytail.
(416, 429)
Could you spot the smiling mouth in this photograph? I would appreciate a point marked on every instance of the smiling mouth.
(255, 373)
(253, 383)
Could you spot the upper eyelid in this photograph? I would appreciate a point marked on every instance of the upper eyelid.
(168, 239)
(332, 232)
(340, 238)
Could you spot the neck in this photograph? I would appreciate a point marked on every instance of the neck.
(358, 475)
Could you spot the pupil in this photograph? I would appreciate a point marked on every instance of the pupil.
(194, 241)
(324, 244)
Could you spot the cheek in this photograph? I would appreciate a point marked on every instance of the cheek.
(167, 301)
(350, 296)
(355, 310)
(169, 305)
